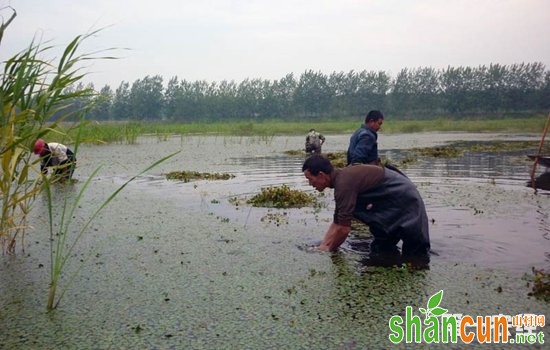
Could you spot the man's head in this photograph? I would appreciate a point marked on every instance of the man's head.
(374, 120)
(317, 170)
(39, 147)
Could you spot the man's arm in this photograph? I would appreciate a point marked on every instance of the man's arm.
(335, 236)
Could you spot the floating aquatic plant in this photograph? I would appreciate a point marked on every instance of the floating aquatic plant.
(295, 152)
(187, 176)
(281, 197)
(541, 285)
(458, 148)
(275, 218)
(503, 146)
(439, 152)
(338, 159)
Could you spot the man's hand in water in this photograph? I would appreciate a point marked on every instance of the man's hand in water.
(335, 236)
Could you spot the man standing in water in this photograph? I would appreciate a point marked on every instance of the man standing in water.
(363, 144)
(383, 199)
(314, 142)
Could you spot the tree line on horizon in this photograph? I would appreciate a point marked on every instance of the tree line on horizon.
(456, 92)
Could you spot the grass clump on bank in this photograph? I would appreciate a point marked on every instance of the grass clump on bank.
(187, 176)
(281, 197)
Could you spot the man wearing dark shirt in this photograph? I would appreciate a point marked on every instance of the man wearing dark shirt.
(383, 199)
(363, 144)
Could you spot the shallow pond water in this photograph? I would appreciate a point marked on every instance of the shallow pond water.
(177, 265)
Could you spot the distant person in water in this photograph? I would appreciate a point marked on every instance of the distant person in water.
(57, 156)
(363, 144)
(381, 198)
(314, 142)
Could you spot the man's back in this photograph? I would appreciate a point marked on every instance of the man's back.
(363, 146)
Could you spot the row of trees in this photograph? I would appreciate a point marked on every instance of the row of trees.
(483, 91)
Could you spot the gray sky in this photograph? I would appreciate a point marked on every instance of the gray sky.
(216, 40)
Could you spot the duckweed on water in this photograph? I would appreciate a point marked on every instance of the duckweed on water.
(275, 218)
(187, 176)
(281, 197)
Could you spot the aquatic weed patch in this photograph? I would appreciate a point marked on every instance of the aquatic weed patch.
(281, 197)
(439, 152)
(295, 152)
(275, 218)
(502, 146)
(457, 149)
(338, 159)
(187, 176)
(541, 284)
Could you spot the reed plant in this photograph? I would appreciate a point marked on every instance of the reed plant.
(35, 98)
(64, 240)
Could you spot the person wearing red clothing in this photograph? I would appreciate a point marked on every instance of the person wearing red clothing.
(57, 156)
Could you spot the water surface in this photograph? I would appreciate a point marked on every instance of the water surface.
(177, 265)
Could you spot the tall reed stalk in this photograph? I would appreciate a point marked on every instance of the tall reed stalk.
(64, 241)
(35, 97)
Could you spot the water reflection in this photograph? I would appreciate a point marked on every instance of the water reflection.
(475, 166)
(275, 166)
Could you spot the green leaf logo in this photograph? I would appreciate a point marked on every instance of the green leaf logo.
(433, 308)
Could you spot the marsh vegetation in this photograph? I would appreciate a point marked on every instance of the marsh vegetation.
(187, 176)
(127, 132)
(282, 197)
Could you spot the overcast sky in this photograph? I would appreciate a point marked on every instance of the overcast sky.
(217, 40)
